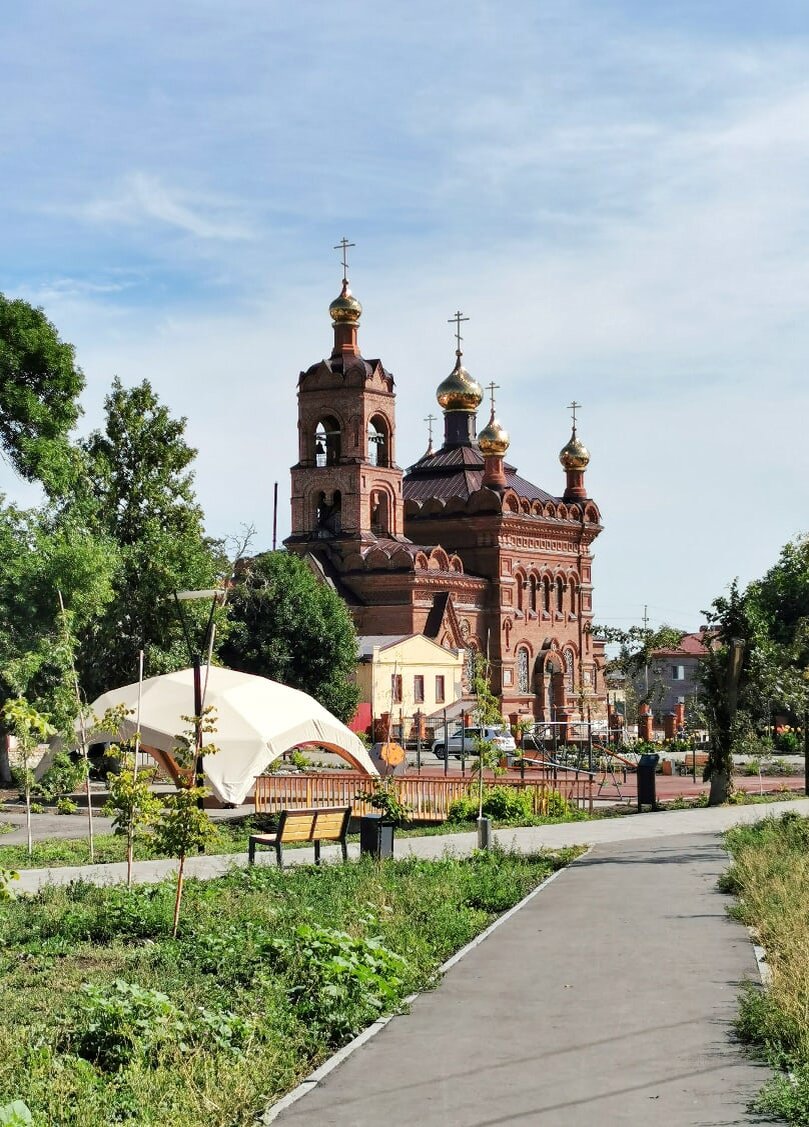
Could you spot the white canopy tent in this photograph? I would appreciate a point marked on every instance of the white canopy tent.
(257, 720)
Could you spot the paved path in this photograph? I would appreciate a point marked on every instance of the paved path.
(634, 827)
(607, 999)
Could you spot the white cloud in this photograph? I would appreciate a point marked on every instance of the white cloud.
(143, 198)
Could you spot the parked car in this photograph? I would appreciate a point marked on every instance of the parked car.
(500, 737)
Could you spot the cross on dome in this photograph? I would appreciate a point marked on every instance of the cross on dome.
(492, 388)
(457, 318)
(343, 245)
(574, 407)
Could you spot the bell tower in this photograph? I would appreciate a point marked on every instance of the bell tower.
(346, 484)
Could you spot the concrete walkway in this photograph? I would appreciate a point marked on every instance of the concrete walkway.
(606, 999)
(635, 827)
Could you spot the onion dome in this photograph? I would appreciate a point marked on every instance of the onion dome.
(575, 455)
(493, 439)
(459, 391)
(345, 309)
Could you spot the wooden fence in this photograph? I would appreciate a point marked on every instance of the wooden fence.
(429, 797)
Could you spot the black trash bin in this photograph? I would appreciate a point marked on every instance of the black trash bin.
(647, 766)
(376, 837)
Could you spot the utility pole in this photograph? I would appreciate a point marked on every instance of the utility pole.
(645, 638)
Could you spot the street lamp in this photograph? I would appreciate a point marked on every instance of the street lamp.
(180, 597)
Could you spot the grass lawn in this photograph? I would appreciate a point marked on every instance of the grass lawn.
(770, 876)
(106, 1019)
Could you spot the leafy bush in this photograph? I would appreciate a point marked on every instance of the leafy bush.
(385, 799)
(788, 743)
(37, 808)
(66, 806)
(123, 1021)
(507, 804)
(337, 983)
(64, 776)
(6, 891)
(752, 767)
(16, 1114)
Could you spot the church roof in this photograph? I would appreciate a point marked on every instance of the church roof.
(457, 471)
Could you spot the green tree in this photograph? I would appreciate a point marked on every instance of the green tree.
(288, 626)
(132, 804)
(42, 553)
(635, 657)
(139, 485)
(40, 384)
(183, 827)
(30, 729)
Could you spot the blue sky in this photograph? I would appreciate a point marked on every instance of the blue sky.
(615, 193)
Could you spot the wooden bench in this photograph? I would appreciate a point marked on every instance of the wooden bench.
(325, 823)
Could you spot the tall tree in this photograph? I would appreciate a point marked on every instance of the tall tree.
(286, 625)
(40, 385)
(634, 660)
(42, 554)
(140, 484)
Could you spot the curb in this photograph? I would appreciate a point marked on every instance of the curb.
(336, 1059)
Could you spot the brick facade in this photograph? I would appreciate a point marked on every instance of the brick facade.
(470, 555)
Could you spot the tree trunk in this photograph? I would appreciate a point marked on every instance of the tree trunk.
(89, 798)
(5, 763)
(178, 897)
(28, 817)
(130, 853)
(720, 788)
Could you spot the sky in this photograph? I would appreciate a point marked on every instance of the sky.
(616, 193)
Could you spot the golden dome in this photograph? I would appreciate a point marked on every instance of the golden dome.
(575, 455)
(493, 439)
(459, 391)
(345, 309)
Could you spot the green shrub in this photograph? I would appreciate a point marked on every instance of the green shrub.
(37, 808)
(507, 804)
(752, 767)
(788, 743)
(66, 806)
(123, 1021)
(64, 776)
(338, 984)
(16, 1114)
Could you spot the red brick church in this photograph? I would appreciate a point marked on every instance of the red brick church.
(459, 548)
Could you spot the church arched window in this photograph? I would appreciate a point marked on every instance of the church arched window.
(520, 581)
(573, 594)
(546, 595)
(380, 513)
(378, 442)
(567, 659)
(522, 671)
(327, 442)
(532, 585)
(560, 594)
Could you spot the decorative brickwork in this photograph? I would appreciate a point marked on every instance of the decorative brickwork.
(460, 548)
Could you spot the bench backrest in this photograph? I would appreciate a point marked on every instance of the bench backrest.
(326, 823)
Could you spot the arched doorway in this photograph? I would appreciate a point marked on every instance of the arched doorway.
(549, 686)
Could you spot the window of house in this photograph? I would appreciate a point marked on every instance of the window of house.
(396, 688)
(522, 671)
(678, 672)
(440, 695)
(418, 689)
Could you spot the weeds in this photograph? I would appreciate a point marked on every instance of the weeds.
(104, 1018)
(770, 875)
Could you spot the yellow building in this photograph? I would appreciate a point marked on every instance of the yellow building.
(406, 677)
